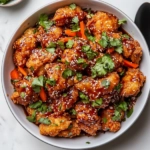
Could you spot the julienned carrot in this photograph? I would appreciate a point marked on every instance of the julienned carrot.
(70, 33)
(22, 71)
(43, 95)
(130, 64)
(82, 28)
(14, 74)
(66, 39)
(110, 50)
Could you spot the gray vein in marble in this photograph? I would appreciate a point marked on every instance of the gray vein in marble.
(2, 119)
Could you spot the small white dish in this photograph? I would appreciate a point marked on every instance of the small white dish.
(11, 3)
(79, 142)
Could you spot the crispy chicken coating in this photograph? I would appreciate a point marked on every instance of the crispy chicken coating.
(107, 122)
(55, 71)
(46, 37)
(94, 88)
(132, 50)
(66, 101)
(72, 131)
(24, 46)
(23, 94)
(132, 82)
(87, 118)
(58, 124)
(39, 57)
(102, 22)
(65, 14)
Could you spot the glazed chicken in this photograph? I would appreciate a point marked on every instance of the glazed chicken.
(77, 72)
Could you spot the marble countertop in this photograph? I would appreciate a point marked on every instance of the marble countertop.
(13, 136)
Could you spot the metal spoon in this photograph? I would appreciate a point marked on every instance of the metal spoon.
(142, 20)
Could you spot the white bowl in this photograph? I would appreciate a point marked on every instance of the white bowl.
(11, 3)
(79, 142)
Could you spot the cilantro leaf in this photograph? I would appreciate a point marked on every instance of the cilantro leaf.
(4, 1)
(103, 65)
(115, 42)
(84, 98)
(69, 44)
(117, 116)
(75, 27)
(104, 120)
(129, 112)
(22, 94)
(87, 142)
(67, 73)
(85, 48)
(89, 36)
(122, 21)
(37, 83)
(45, 121)
(79, 76)
(123, 106)
(105, 83)
(61, 45)
(119, 49)
(73, 111)
(51, 50)
(118, 87)
(126, 36)
(80, 61)
(45, 22)
(51, 81)
(75, 20)
(72, 6)
(32, 118)
(97, 102)
(104, 40)
(35, 105)
(52, 45)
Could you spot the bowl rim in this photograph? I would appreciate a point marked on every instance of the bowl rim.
(3, 85)
(11, 3)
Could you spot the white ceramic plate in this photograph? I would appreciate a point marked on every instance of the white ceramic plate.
(79, 142)
(11, 3)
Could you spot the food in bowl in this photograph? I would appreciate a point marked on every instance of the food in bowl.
(4, 1)
(77, 72)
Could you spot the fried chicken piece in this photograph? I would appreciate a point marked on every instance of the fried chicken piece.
(132, 82)
(102, 22)
(46, 37)
(24, 94)
(39, 57)
(72, 131)
(94, 88)
(24, 47)
(107, 121)
(58, 124)
(55, 71)
(87, 118)
(65, 102)
(65, 15)
(132, 50)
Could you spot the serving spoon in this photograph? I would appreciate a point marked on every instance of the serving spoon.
(142, 20)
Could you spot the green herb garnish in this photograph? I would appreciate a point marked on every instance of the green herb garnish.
(129, 112)
(105, 83)
(32, 118)
(37, 83)
(35, 105)
(104, 40)
(104, 120)
(118, 87)
(72, 6)
(87, 142)
(89, 36)
(51, 45)
(51, 50)
(122, 21)
(97, 102)
(73, 111)
(45, 121)
(22, 94)
(51, 81)
(79, 76)
(67, 73)
(69, 44)
(61, 45)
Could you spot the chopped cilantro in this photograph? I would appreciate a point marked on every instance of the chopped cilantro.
(67, 73)
(43, 108)
(45, 22)
(103, 65)
(51, 81)
(122, 73)
(123, 106)
(129, 112)
(126, 36)
(35, 105)
(87, 142)
(104, 40)
(32, 68)
(22, 94)
(89, 15)
(45, 121)
(97, 102)
(79, 76)
(61, 45)
(4, 1)
(83, 96)
(89, 36)
(67, 63)
(75, 27)
(80, 61)
(73, 111)
(52, 45)
(85, 48)
(37, 83)
(75, 20)
(69, 44)
(117, 116)
(104, 120)
(57, 67)
(51, 50)
(32, 118)
(24, 85)
(64, 94)
(118, 87)
(105, 83)
(122, 21)
(72, 6)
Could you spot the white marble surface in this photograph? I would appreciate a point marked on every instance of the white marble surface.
(13, 136)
